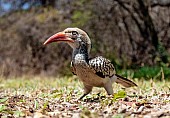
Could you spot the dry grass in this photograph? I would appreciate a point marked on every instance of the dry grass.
(57, 97)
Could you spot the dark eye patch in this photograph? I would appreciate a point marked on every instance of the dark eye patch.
(74, 33)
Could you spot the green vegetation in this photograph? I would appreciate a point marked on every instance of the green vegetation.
(41, 96)
(146, 72)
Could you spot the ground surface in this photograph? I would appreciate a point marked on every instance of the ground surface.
(52, 97)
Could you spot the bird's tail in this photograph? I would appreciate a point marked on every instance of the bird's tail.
(124, 81)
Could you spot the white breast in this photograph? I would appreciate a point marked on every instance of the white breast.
(79, 58)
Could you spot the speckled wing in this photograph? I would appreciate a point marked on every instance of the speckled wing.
(102, 67)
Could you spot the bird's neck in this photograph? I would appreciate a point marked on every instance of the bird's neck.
(80, 54)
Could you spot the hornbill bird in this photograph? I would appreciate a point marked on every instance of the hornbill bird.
(96, 72)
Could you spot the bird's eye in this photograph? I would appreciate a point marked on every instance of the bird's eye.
(74, 33)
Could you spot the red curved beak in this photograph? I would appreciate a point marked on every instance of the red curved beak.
(60, 36)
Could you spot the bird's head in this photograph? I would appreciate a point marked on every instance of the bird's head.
(75, 37)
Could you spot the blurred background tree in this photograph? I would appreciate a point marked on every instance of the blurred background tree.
(131, 33)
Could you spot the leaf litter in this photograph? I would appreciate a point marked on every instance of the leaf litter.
(52, 97)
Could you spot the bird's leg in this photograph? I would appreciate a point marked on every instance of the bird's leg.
(87, 90)
(108, 88)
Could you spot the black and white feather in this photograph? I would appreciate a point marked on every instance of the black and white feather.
(102, 67)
